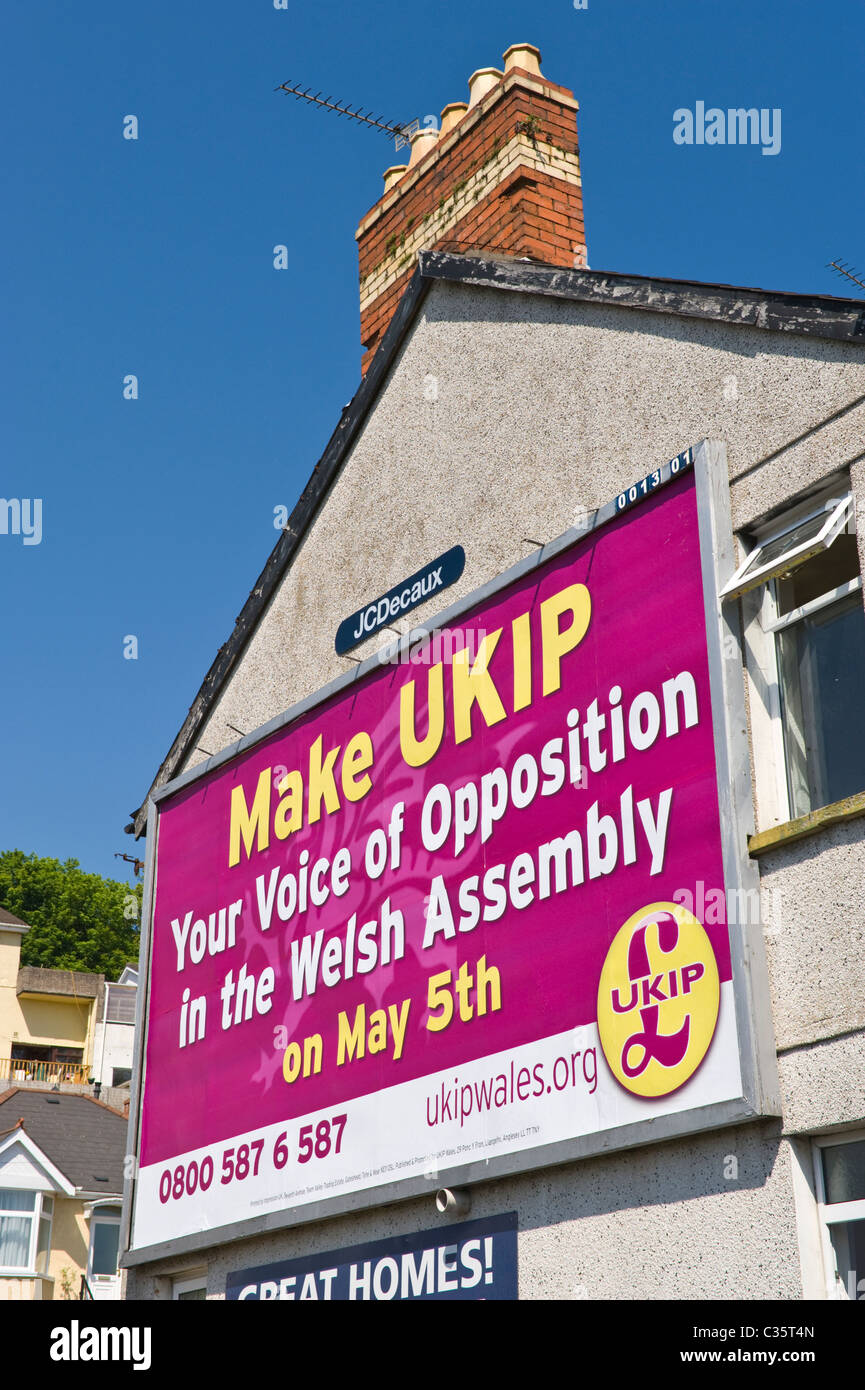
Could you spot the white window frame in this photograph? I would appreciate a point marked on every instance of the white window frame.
(35, 1218)
(46, 1213)
(751, 574)
(107, 1214)
(835, 1213)
(761, 623)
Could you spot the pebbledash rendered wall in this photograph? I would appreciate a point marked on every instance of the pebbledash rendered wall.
(503, 416)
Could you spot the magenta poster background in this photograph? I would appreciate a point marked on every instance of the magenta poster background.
(647, 625)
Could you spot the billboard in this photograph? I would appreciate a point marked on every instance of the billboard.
(475, 908)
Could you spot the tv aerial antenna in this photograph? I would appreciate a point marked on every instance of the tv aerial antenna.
(137, 864)
(400, 131)
(849, 272)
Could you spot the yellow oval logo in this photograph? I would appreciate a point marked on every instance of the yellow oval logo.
(658, 999)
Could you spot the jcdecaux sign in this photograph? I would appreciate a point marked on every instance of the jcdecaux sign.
(441, 922)
(417, 589)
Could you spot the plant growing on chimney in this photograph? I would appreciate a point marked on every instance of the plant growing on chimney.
(531, 127)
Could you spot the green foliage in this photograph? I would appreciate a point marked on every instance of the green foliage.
(77, 921)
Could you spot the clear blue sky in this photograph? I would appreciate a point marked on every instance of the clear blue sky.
(154, 257)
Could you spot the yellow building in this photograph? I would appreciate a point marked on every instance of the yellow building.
(47, 1017)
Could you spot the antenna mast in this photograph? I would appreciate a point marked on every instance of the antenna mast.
(391, 128)
(846, 270)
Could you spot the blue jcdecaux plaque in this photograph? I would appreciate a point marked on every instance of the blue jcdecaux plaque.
(426, 583)
(474, 1260)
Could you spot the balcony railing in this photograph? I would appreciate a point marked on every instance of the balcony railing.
(14, 1069)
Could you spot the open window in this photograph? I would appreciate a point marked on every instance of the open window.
(791, 544)
(805, 642)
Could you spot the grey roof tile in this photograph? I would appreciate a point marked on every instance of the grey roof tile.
(85, 1139)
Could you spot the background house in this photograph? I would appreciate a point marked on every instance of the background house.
(62, 1027)
(61, 1178)
(114, 1034)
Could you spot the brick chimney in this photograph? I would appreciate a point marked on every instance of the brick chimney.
(501, 175)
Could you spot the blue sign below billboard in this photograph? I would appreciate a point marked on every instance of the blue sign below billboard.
(474, 1260)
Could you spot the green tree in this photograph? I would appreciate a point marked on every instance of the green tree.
(77, 921)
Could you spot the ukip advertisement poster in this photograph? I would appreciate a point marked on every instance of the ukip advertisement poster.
(468, 907)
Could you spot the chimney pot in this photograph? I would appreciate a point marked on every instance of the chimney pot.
(525, 56)
(451, 114)
(421, 143)
(393, 175)
(482, 82)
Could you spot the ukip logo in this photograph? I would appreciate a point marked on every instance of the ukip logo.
(658, 1000)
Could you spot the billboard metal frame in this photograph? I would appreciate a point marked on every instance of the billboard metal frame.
(760, 1097)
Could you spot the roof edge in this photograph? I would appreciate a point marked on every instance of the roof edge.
(20, 1136)
(9, 922)
(821, 316)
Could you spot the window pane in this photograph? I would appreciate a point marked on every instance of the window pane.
(805, 531)
(15, 1241)
(24, 1052)
(121, 1004)
(43, 1244)
(106, 1237)
(844, 1173)
(192, 1293)
(820, 575)
(848, 1242)
(822, 668)
(11, 1200)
